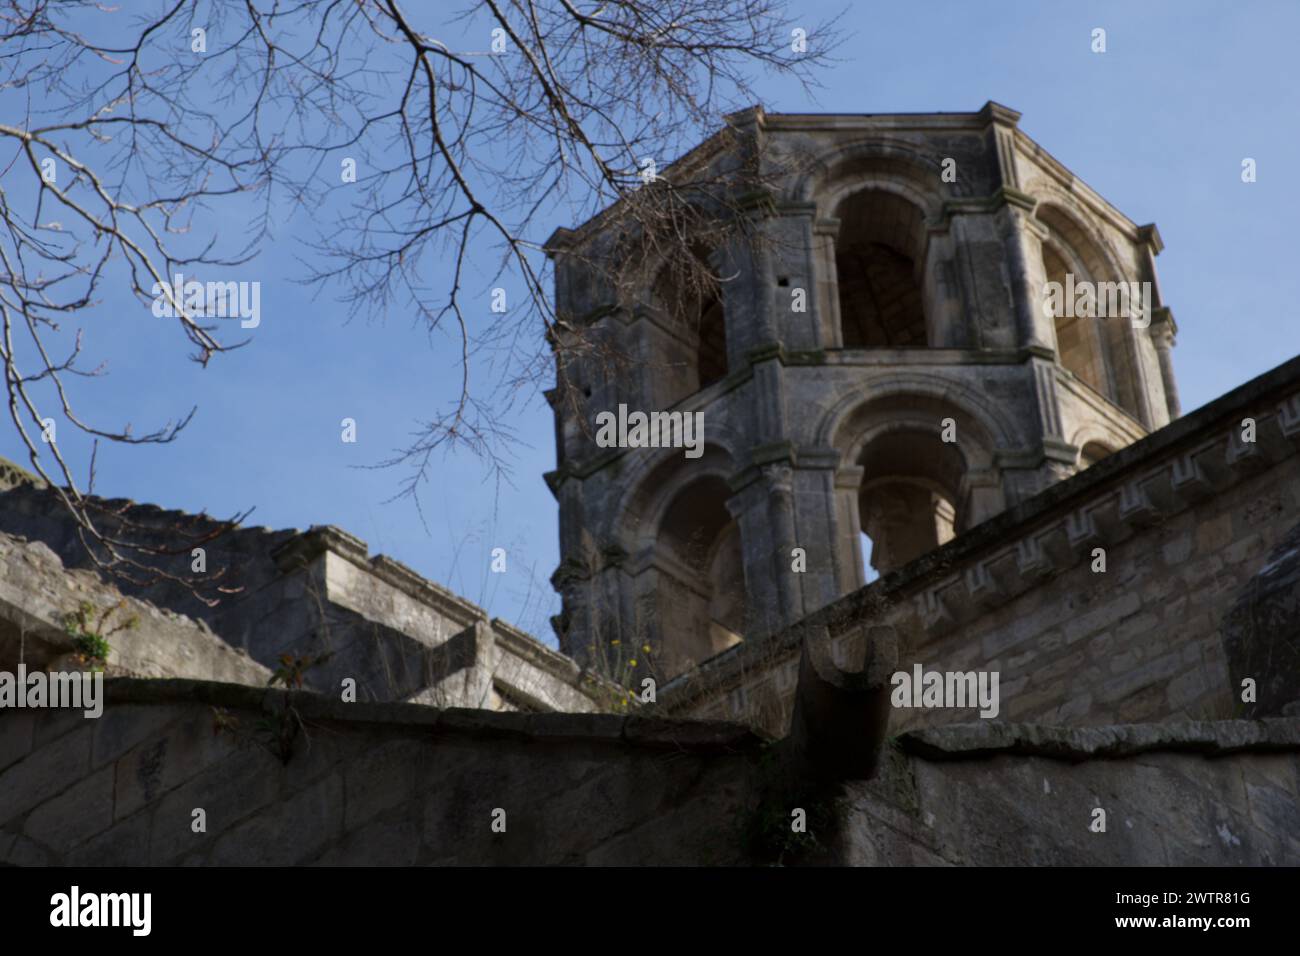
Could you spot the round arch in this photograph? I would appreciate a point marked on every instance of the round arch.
(687, 576)
(881, 250)
(970, 406)
(1103, 353)
(1066, 226)
(1093, 452)
(654, 481)
(1062, 213)
(899, 478)
(880, 163)
(1095, 441)
(909, 498)
(877, 202)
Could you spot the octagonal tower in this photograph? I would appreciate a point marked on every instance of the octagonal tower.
(901, 347)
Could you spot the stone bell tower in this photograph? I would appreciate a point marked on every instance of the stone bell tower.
(914, 337)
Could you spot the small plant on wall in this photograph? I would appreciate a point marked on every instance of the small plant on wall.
(90, 629)
(293, 668)
(275, 732)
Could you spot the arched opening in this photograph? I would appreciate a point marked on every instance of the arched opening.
(711, 350)
(918, 466)
(690, 296)
(909, 499)
(1091, 453)
(1079, 341)
(879, 255)
(701, 585)
(1101, 349)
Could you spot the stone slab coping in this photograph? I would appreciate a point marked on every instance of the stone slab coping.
(965, 741)
(984, 739)
(704, 737)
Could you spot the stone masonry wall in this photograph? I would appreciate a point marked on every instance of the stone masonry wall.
(1195, 525)
(372, 784)
(1140, 642)
(317, 594)
(363, 784)
(37, 592)
(1224, 794)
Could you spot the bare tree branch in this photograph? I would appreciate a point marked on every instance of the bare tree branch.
(125, 131)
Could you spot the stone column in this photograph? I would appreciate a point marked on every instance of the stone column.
(982, 492)
(765, 507)
(1058, 454)
(763, 601)
(1024, 238)
(826, 297)
(817, 528)
(852, 569)
(1164, 332)
(780, 505)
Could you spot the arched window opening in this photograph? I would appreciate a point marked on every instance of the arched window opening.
(711, 353)
(1091, 453)
(701, 591)
(878, 260)
(908, 500)
(1078, 338)
(690, 296)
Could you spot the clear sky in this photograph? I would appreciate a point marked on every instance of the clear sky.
(1159, 125)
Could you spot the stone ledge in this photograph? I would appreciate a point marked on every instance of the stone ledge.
(690, 736)
(531, 650)
(37, 592)
(969, 741)
(652, 733)
(304, 548)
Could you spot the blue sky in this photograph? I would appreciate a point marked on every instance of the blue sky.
(1159, 125)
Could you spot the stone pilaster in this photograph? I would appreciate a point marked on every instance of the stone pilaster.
(1164, 333)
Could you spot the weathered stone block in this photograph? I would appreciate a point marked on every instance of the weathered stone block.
(123, 726)
(45, 772)
(228, 792)
(124, 844)
(77, 814)
(293, 831)
(1160, 669)
(55, 722)
(17, 729)
(183, 749)
(383, 778)
(1214, 534)
(389, 842)
(18, 850)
